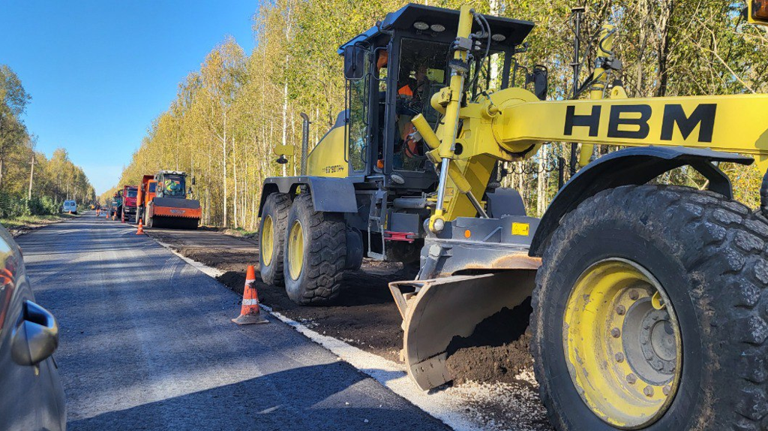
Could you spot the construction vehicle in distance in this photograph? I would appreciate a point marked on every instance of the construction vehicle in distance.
(163, 201)
(128, 213)
(116, 206)
(649, 301)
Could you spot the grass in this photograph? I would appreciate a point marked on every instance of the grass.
(240, 232)
(25, 221)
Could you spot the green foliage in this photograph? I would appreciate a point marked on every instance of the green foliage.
(15, 206)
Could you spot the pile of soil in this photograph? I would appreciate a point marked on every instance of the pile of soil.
(497, 351)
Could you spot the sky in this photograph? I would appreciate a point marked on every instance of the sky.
(100, 71)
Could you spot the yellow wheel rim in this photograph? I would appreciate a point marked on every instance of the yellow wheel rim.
(267, 240)
(295, 250)
(622, 343)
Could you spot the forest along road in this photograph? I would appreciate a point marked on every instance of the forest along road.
(147, 343)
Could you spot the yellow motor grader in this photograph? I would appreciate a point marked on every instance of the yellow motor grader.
(649, 301)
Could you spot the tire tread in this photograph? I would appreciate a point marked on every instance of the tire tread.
(728, 244)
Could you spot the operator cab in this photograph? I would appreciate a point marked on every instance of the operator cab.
(392, 72)
(170, 184)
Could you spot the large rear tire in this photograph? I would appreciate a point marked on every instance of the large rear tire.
(274, 217)
(648, 313)
(315, 253)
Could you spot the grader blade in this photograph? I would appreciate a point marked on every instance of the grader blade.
(436, 311)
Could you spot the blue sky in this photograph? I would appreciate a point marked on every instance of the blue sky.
(99, 72)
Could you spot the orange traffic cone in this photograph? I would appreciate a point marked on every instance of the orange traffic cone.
(140, 231)
(249, 313)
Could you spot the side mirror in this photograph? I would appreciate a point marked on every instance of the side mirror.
(758, 12)
(193, 181)
(36, 337)
(354, 62)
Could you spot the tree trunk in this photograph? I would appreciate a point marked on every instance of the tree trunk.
(663, 48)
(541, 195)
(31, 176)
(234, 175)
(285, 118)
(224, 170)
(495, 9)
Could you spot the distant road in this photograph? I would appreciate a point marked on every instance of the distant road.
(147, 343)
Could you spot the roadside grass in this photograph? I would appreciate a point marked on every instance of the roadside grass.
(241, 232)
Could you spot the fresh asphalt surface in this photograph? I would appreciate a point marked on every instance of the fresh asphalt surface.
(147, 343)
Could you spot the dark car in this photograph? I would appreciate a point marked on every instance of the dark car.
(31, 395)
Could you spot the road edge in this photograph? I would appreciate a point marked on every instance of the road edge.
(389, 374)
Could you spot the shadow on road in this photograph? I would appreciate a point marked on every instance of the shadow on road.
(251, 405)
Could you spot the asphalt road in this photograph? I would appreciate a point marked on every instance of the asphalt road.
(147, 343)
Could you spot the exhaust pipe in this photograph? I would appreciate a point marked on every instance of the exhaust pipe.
(304, 142)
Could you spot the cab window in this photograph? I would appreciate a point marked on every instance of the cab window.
(423, 72)
(357, 126)
(173, 185)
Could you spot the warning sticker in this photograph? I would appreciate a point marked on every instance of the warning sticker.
(521, 229)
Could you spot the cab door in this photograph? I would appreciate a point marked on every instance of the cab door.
(357, 70)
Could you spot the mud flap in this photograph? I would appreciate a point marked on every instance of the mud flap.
(435, 311)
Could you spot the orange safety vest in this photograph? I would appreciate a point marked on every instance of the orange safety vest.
(405, 91)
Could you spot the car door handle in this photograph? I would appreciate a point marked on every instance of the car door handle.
(36, 336)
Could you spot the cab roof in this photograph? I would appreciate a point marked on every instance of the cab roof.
(514, 31)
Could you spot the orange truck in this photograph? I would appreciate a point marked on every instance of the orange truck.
(163, 201)
(144, 196)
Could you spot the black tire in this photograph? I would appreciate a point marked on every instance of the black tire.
(324, 254)
(708, 253)
(277, 206)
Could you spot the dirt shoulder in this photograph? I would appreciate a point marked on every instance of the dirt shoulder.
(21, 225)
